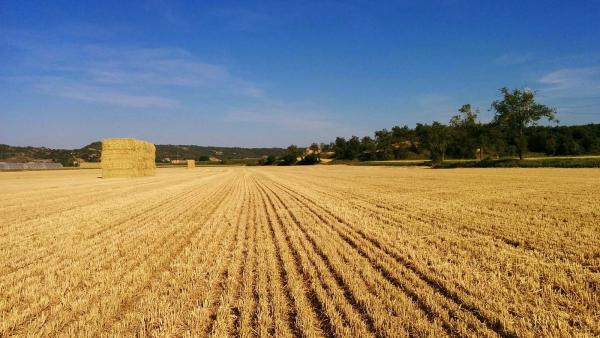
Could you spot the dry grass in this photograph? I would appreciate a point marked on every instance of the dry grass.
(319, 251)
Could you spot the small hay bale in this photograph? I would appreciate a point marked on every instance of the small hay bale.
(90, 165)
(191, 164)
(127, 157)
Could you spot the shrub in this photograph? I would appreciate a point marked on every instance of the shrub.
(288, 159)
(270, 160)
(310, 159)
(514, 163)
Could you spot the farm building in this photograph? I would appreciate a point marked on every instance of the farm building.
(127, 157)
(29, 166)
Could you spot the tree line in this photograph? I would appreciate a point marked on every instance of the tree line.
(294, 155)
(512, 132)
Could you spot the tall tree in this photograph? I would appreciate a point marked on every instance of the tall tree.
(368, 149)
(465, 117)
(435, 138)
(291, 155)
(353, 148)
(516, 111)
(340, 148)
(384, 145)
(466, 132)
(347, 150)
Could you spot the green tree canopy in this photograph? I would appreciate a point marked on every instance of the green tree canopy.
(516, 111)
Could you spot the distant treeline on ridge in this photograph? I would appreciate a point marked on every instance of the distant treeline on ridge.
(164, 153)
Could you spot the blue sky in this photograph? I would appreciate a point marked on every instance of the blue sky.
(272, 73)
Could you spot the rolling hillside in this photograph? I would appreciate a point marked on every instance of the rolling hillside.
(91, 153)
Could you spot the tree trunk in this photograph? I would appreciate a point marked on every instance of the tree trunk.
(521, 143)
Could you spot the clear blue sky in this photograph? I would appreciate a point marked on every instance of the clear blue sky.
(272, 73)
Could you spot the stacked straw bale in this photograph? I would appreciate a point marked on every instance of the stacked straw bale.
(127, 157)
(191, 164)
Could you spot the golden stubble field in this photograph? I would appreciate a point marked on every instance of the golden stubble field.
(318, 251)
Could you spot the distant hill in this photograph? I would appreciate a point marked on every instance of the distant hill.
(164, 151)
(92, 151)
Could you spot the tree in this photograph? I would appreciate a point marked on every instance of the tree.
(516, 111)
(347, 150)
(435, 138)
(293, 149)
(467, 118)
(467, 133)
(339, 147)
(291, 155)
(368, 149)
(269, 160)
(353, 148)
(315, 149)
(288, 159)
(327, 147)
(384, 145)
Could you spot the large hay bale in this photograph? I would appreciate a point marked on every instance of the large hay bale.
(127, 157)
(191, 164)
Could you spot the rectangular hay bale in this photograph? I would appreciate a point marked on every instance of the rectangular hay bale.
(191, 164)
(127, 157)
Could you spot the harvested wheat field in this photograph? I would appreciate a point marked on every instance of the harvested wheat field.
(296, 251)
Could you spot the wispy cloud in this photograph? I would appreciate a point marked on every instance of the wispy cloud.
(129, 76)
(101, 77)
(152, 67)
(574, 91)
(572, 82)
(105, 96)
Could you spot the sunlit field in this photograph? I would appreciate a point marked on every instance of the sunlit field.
(301, 251)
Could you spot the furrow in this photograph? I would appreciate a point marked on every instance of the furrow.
(362, 241)
(345, 320)
(178, 241)
(56, 271)
(245, 324)
(185, 286)
(375, 292)
(94, 224)
(316, 302)
(228, 311)
(300, 316)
